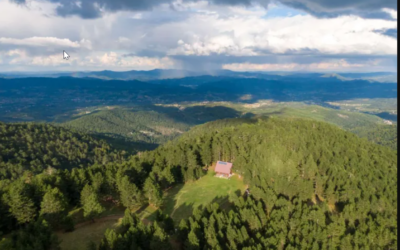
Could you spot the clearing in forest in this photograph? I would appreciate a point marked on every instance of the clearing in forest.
(180, 200)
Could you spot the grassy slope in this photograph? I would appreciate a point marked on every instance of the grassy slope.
(182, 199)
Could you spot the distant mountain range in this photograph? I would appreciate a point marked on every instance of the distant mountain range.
(160, 74)
(45, 98)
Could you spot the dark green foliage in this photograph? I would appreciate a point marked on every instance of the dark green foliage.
(309, 183)
(130, 195)
(165, 221)
(153, 191)
(36, 235)
(91, 246)
(7, 221)
(54, 207)
(140, 127)
(38, 147)
(381, 134)
(135, 235)
(90, 202)
(20, 202)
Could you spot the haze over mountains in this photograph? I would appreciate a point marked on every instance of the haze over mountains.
(65, 94)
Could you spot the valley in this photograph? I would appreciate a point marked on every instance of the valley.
(146, 127)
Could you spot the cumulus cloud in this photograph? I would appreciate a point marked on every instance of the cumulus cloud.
(22, 57)
(196, 35)
(256, 36)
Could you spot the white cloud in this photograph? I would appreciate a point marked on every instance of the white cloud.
(116, 60)
(16, 52)
(147, 63)
(336, 65)
(393, 13)
(41, 42)
(21, 57)
(53, 60)
(165, 38)
(109, 58)
(251, 35)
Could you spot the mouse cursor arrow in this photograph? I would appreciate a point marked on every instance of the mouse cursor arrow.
(65, 55)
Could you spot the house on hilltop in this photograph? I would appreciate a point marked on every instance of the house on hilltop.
(223, 169)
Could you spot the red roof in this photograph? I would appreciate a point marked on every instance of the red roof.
(223, 167)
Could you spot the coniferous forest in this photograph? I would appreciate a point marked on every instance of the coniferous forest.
(312, 186)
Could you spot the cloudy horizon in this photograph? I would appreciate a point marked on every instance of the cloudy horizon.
(239, 35)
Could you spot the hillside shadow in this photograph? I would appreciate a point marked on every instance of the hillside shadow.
(387, 116)
(198, 114)
(122, 143)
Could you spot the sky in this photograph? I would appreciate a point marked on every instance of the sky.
(240, 35)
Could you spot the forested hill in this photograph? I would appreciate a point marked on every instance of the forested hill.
(37, 147)
(380, 134)
(143, 128)
(312, 186)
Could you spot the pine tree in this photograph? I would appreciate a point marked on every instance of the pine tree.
(192, 243)
(153, 191)
(130, 195)
(21, 205)
(53, 206)
(160, 238)
(183, 230)
(90, 202)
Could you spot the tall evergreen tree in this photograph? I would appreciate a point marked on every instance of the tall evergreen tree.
(53, 206)
(90, 202)
(19, 200)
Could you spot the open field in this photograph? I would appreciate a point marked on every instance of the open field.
(182, 199)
